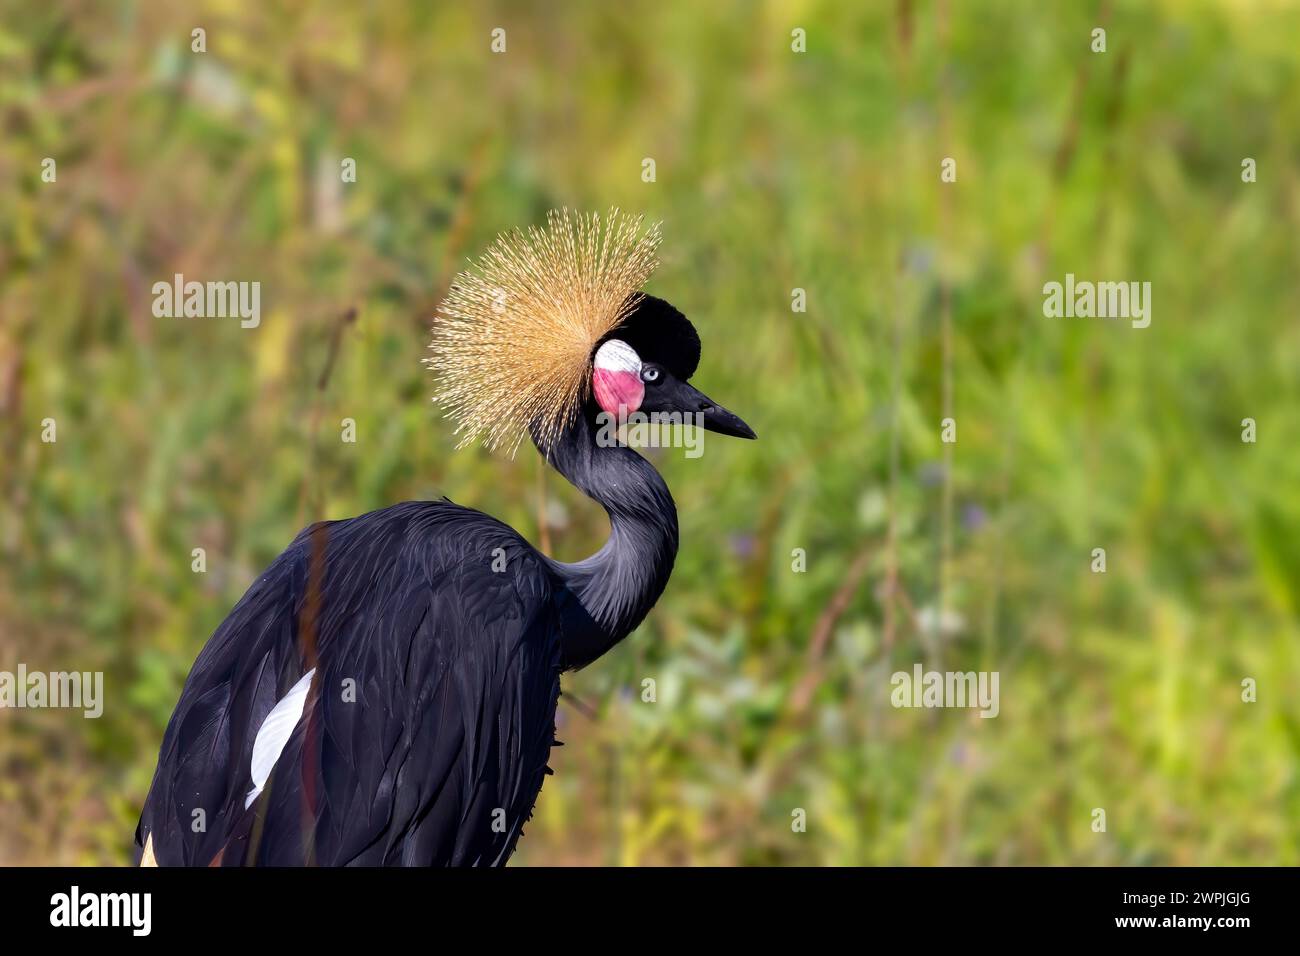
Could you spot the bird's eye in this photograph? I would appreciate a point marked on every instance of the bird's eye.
(649, 374)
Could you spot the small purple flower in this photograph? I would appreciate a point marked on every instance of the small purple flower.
(742, 544)
(932, 473)
(918, 258)
(958, 754)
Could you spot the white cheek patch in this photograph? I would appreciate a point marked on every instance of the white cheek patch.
(616, 356)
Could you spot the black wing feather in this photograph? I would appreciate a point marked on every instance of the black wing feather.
(438, 756)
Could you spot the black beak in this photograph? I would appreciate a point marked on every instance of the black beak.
(715, 417)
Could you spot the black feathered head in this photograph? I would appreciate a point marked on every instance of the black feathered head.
(659, 333)
(643, 365)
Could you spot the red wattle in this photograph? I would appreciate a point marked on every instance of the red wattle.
(616, 387)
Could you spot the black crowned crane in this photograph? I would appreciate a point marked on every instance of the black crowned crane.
(385, 692)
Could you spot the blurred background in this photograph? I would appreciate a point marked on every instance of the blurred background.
(775, 170)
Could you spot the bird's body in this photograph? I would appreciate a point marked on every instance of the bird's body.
(411, 627)
(385, 692)
(438, 635)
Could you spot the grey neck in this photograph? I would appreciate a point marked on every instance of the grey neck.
(610, 593)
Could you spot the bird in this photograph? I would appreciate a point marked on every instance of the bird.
(385, 692)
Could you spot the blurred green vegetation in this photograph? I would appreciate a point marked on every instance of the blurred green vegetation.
(775, 170)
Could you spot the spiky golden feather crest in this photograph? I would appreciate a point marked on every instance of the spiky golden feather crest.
(513, 339)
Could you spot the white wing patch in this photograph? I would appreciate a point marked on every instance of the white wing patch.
(274, 734)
